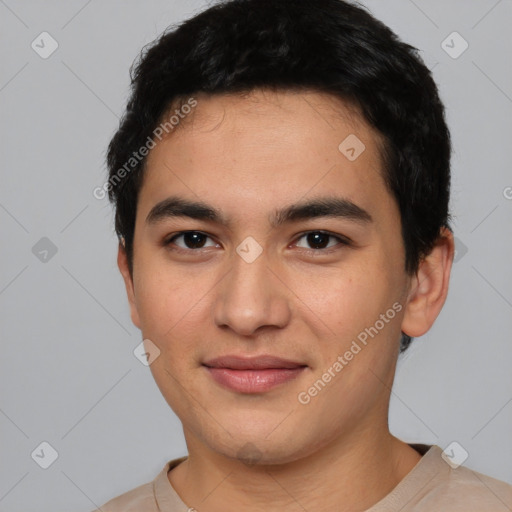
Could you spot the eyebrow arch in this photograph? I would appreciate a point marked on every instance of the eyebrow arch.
(179, 207)
(335, 207)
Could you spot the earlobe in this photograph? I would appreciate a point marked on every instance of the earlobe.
(122, 263)
(429, 287)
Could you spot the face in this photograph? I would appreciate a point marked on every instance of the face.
(291, 268)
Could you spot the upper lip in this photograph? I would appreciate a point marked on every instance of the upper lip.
(251, 363)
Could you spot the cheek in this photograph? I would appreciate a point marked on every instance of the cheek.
(344, 306)
(152, 297)
(342, 299)
(173, 306)
(162, 300)
(169, 315)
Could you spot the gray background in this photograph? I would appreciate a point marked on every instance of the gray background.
(68, 373)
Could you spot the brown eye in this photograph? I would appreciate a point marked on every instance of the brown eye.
(190, 240)
(318, 240)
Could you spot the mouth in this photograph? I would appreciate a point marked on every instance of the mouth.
(252, 374)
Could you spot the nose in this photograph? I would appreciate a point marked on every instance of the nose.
(251, 297)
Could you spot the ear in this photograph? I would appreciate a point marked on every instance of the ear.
(429, 287)
(122, 263)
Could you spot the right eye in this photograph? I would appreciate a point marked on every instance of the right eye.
(191, 241)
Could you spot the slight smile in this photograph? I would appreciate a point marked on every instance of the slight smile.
(252, 374)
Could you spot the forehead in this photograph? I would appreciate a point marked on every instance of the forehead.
(266, 147)
(272, 102)
(304, 110)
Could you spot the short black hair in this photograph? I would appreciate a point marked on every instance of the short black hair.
(328, 46)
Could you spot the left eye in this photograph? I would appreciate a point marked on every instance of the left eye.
(320, 240)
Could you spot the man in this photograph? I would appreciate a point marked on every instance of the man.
(281, 183)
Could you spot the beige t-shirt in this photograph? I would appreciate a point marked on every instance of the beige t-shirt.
(431, 486)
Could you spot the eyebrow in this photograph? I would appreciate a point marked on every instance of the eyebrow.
(334, 207)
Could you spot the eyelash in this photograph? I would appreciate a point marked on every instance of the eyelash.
(344, 241)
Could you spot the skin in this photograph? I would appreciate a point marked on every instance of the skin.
(248, 155)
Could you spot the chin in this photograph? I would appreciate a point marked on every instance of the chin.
(267, 449)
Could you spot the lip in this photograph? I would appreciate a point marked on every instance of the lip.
(263, 362)
(252, 374)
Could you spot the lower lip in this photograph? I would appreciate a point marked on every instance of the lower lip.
(254, 381)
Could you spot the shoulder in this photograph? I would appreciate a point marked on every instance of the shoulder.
(437, 483)
(459, 488)
(467, 490)
(141, 498)
(149, 497)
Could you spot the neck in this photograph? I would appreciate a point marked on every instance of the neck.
(348, 474)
